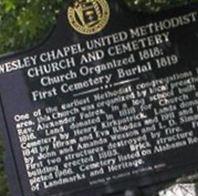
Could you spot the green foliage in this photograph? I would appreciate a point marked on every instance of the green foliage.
(25, 21)
(155, 5)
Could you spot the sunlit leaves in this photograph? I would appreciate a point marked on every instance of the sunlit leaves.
(25, 22)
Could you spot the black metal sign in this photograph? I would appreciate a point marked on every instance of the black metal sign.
(108, 103)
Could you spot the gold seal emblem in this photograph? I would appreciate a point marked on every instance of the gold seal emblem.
(89, 16)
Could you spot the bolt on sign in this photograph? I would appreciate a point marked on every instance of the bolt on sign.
(108, 105)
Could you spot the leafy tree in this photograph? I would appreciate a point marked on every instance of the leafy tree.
(24, 22)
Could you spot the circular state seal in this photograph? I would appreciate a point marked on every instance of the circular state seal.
(88, 16)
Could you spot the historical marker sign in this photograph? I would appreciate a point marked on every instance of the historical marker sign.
(109, 102)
